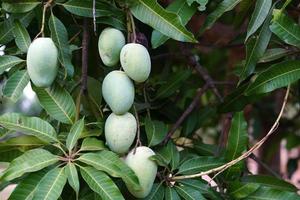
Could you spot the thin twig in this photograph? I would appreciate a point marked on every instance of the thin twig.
(264, 165)
(48, 4)
(138, 132)
(186, 113)
(222, 168)
(94, 17)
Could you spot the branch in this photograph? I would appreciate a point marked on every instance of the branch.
(222, 168)
(48, 4)
(186, 113)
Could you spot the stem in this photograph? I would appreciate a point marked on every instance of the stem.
(285, 5)
(138, 132)
(130, 28)
(186, 113)
(246, 154)
(94, 17)
(48, 4)
(60, 148)
(264, 165)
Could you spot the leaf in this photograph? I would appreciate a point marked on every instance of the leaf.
(285, 28)
(110, 163)
(189, 193)
(59, 35)
(259, 15)
(168, 23)
(7, 62)
(183, 10)
(92, 144)
(238, 190)
(157, 192)
(224, 6)
(20, 6)
(57, 102)
(15, 85)
(171, 194)
(274, 54)
(101, 183)
(156, 131)
(27, 187)
(73, 180)
(29, 125)
(175, 158)
(51, 185)
(172, 84)
(117, 22)
(255, 49)
(30, 161)
(22, 37)
(267, 193)
(237, 139)
(199, 164)
(74, 134)
(202, 4)
(85, 8)
(277, 76)
(22, 142)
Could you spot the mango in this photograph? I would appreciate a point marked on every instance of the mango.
(118, 92)
(120, 131)
(136, 62)
(144, 168)
(42, 62)
(110, 43)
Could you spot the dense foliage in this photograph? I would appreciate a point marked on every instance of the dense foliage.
(223, 74)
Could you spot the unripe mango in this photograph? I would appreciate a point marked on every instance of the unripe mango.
(110, 43)
(118, 92)
(136, 62)
(144, 168)
(42, 62)
(120, 131)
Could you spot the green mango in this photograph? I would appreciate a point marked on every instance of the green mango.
(120, 131)
(136, 62)
(42, 62)
(110, 43)
(144, 168)
(118, 92)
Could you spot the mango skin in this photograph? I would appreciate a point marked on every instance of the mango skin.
(110, 43)
(42, 62)
(120, 131)
(144, 168)
(118, 92)
(136, 62)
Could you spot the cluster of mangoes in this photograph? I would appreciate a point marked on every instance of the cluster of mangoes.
(118, 92)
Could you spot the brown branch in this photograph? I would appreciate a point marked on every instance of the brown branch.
(186, 113)
(222, 168)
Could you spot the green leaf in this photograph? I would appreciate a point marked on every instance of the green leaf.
(255, 49)
(175, 157)
(202, 4)
(224, 6)
(172, 84)
(27, 187)
(277, 76)
(92, 144)
(59, 35)
(15, 85)
(285, 28)
(238, 190)
(189, 193)
(156, 131)
(22, 142)
(274, 54)
(168, 23)
(259, 15)
(267, 193)
(99, 182)
(183, 10)
(29, 125)
(85, 8)
(21, 6)
(30, 161)
(73, 180)
(110, 163)
(22, 37)
(117, 22)
(51, 185)
(74, 134)
(171, 194)
(238, 137)
(7, 62)
(199, 164)
(57, 102)
(157, 192)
